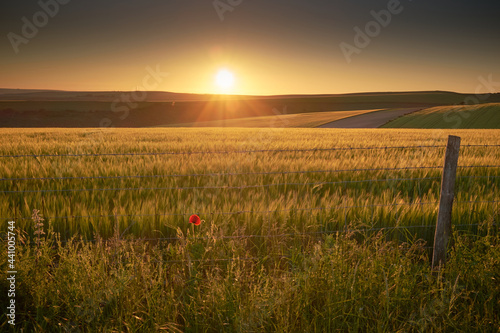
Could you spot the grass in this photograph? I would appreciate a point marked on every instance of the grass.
(284, 264)
(301, 120)
(335, 283)
(457, 116)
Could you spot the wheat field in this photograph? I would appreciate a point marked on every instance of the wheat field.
(142, 191)
(289, 241)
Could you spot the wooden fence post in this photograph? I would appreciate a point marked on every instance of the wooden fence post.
(443, 226)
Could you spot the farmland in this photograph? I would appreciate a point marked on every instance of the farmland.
(452, 116)
(301, 120)
(83, 185)
(149, 108)
(296, 236)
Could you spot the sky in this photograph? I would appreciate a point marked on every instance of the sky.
(268, 47)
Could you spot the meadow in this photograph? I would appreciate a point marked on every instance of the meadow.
(452, 116)
(296, 236)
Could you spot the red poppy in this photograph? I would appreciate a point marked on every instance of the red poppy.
(195, 219)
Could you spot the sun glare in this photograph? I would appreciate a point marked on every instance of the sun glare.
(224, 80)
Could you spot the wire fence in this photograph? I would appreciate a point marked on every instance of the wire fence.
(242, 151)
(243, 173)
(345, 207)
(223, 187)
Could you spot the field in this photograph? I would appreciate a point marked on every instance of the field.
(152, 108)
(454, 116)
(369, 120)
(296, 236)
(300, 120)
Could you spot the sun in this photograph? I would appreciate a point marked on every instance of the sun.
(224, 79)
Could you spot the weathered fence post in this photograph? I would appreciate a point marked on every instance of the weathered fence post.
(443, 226)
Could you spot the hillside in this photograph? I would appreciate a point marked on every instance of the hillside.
(482, 116)
(35, 108)
(298, 120)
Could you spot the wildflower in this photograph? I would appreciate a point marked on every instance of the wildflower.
(38, 225)
(195, 219)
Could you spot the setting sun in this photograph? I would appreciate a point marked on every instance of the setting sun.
(224, 80)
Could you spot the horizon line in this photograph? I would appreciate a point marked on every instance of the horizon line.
(248, 95)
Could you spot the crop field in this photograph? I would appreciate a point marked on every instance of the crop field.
(455, 116)
(301, 120)
(303, 229)
(65, 109)
(159, 189)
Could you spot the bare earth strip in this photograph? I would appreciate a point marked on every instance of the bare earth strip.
(369, 120)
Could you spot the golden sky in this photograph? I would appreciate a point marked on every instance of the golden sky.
(283, 47)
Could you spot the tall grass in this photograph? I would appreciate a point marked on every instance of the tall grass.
(347, 256)
(341, 282)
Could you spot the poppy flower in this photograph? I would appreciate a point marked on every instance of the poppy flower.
(195, 219)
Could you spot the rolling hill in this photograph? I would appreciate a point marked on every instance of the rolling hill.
(298, 120)
(39, 108)
(482, 116)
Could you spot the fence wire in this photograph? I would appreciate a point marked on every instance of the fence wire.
(242, 151)
(224, 187)
(229, 213)
(243, 187)
(282, 235)
(257, 212)
(244, 173)
(222, 151)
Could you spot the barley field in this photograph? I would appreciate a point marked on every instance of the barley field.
(296, 236)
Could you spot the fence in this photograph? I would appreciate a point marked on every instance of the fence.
(445, 211)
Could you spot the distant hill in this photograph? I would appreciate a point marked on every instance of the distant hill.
(482, 116)
(93, 96)
(52, 108)
(298, 120)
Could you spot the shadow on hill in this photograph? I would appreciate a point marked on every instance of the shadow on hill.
(76, 109)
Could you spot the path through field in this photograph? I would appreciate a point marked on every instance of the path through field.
(369, 120)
